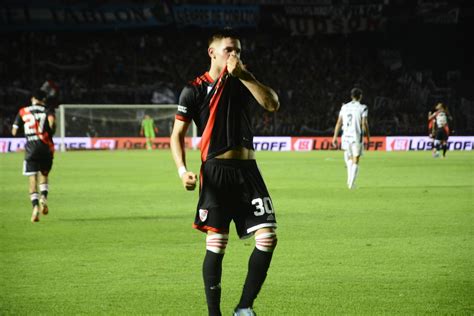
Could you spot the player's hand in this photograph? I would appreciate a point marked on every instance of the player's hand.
(189, 180)
(334, 142)
(235, 66)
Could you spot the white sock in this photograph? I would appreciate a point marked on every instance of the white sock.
(353, 176)
(348, 161)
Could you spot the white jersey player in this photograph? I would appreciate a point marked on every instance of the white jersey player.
(353, 120)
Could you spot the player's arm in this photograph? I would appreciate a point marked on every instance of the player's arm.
(365, 128)
(432, 116)
(16, 125)
(337, 129)
(52, 122)
(264, 95)
(178, 135)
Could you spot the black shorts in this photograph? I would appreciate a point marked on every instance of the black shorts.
(33, 166)
(233, 189)
(441, 134)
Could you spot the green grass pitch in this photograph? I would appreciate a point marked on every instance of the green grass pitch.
(118, 239)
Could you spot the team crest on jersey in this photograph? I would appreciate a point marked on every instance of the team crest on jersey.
(203, 214)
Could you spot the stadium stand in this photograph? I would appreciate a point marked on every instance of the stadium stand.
(403, 71)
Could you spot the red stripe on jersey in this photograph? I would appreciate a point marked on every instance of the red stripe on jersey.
(206, 135)
(207, 77)
(446, 129)
(204, 78)
(182, 118)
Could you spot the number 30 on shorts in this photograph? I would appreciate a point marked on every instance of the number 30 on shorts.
(263, 206)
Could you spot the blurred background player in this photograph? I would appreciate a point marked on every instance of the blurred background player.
(353, 119)
(232, 188)
(51, 88)
(149, 130)
(440, 129)
(38, 124)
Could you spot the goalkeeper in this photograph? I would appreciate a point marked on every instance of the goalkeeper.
(149, 130)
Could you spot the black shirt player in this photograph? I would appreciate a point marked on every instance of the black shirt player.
(231, 187)
(38, 125)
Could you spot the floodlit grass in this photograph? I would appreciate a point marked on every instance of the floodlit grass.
(118, 239)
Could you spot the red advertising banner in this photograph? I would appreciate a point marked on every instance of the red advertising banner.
(377, 143)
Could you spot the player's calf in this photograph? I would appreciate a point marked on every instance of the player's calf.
(212, 270)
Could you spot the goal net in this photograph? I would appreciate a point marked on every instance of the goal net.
(113, 120)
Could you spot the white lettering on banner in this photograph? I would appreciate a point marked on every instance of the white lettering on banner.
(402, 143)
(105, 144)
(399, 144)
(73, 143)
(303, 144)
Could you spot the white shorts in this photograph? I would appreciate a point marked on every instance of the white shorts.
(353, 149)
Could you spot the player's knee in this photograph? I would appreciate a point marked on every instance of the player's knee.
(217, 243)
(266, 241)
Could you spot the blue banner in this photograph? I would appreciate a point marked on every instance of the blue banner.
(216, 16)
(40, 17)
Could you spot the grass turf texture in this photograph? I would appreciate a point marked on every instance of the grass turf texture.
(118, 239)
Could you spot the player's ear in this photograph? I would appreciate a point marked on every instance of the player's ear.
(211, 52)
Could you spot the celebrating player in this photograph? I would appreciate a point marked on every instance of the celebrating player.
(440, 129)
(354, 122)
(149, 130)
(231, 187)
(38, 124)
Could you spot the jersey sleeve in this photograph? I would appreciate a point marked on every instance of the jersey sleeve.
(186, 104)
(18, 122)
(341, 111)
(365, 111)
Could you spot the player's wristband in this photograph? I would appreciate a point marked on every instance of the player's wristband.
(182, 170)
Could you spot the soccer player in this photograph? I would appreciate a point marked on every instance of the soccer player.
(148, 130)
(354, 123)
(38, 124)
(231, 186)
(440, 130)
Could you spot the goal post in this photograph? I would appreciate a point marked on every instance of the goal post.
(113, 120)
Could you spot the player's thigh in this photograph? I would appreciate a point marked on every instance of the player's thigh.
(217, 197)
(356, 149)
(31, 167)
(46, 165)
(256, 210)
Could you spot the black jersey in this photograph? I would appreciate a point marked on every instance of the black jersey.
(221, 112)
(38, 133)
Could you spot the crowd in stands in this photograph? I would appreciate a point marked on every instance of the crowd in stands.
(313, 76)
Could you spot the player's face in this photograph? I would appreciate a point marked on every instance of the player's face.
(221, 50)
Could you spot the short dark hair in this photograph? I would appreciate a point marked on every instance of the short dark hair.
(39, 95)
(225, 33)
(356, 93)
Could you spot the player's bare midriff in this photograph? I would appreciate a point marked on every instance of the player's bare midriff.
(238, 153)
